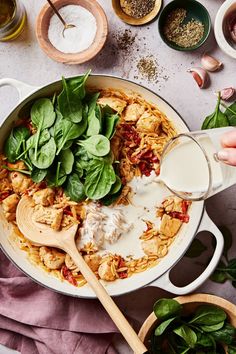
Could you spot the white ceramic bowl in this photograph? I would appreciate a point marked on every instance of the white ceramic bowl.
(227, 7)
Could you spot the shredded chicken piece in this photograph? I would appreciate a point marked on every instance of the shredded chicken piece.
(133, 112)
(105, 271)
(44, 197)
(49, 216)
(115, 103)
(51, 257)
(148, 123)
(150, 247)
(20, 182)
(169, 226)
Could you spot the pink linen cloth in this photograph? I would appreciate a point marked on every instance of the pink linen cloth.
(35, 320)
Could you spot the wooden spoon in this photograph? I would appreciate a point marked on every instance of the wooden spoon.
(43, 235)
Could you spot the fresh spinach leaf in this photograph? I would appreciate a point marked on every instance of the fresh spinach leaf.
(43, 138)
(231, 349)
(231, 268)
(74, 188)
(99, 179)
(69, 131)
(42, 116)
(204, 340)
(26, 172)
(38, 175)
(66, 158)
(77, 84)
(228, 239)
(97, 145)
(217, 119)
(94, 123)
(116, 186)
(208, 315)
(231, 113)
(45, 155)
(109, 123)
(111, 198)
(78, 169)
(56, 176)
(219, 276)
(188, 335)
(13, 144)
(163, 326)
(166, 308)
(83, 157)
(225, 335)
(69, 104)
(213, 327)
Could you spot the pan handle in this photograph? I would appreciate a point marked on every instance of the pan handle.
(24, 90)
(164, 281)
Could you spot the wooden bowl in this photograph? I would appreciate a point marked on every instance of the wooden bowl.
(190, 302)
(42, 25)
(136, 21)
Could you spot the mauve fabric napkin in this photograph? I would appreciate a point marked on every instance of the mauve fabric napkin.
(35, 320)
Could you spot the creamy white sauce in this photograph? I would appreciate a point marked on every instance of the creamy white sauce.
(185, 168)
(123, 225)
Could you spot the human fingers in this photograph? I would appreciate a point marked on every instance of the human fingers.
(228, 156)
(229, 139)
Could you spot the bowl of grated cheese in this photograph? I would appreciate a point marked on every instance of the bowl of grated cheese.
(78, 44)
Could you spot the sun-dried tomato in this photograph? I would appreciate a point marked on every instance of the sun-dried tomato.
(68, 275)
(67, 211)
(145, 168)
(184, 206)
(121, 263)
(130, 134)
(181, 216)
(4, 195)
(123, 275)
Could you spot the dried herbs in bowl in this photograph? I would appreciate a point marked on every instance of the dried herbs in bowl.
(206, 329)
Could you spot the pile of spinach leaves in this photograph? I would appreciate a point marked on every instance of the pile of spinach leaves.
(219, 118)
(205, 331)
(71, 146)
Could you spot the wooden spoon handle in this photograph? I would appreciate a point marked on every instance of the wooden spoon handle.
(114, 312)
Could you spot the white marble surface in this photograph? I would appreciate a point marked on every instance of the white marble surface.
(24, 60)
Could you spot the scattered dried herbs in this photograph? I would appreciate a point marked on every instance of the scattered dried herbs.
(137, 8)
(148, 68)
(184, 35)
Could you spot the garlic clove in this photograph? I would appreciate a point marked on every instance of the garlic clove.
(227, 93)
(210, 63)
(200, 76)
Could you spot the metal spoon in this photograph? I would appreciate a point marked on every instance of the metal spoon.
(66, 25)
(40, 234)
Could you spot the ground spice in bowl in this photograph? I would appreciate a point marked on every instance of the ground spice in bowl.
(184, 35)
(137, 8)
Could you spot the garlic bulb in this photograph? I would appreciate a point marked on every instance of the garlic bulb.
(200, 76)
(227, 93)
(209, 63)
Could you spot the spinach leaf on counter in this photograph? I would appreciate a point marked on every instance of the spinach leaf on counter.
(13, 144)
(217, 119)
(42, 116)
(231, 113)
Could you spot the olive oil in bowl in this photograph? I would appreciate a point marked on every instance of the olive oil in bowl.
(12, 19)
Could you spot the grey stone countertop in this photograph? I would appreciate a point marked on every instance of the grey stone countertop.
(23, 59)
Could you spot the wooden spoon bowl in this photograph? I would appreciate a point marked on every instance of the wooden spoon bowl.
(42, 25)
(136, 21)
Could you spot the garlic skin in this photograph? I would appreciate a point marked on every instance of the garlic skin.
(210, 63)
(200, 76)
(227, 93)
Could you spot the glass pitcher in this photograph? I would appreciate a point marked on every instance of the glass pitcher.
(190, 168)
(12, 19)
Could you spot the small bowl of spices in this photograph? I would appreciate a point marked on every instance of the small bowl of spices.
(79, 43)
(184, 25)
(136, 12)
